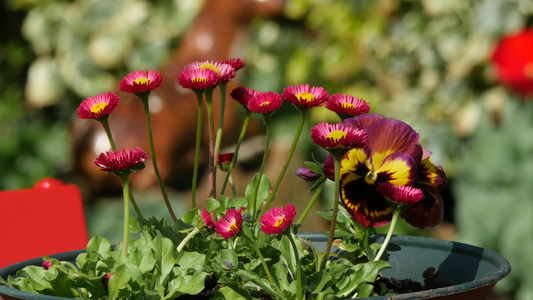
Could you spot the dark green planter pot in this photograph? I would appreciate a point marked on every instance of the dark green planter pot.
(471, 271)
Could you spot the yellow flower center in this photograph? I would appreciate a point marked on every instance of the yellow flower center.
(198, 80)
(307, 97)
(336, 135)
(98, 107)
(347, 106)
(233, 227)
(266, 103)
(211, 67)
(142, 81)
(528, 70)
(279, 223)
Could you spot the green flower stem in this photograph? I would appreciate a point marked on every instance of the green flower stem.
(303, 117)
(311, 203)
(233, 189)
(126, 193)
(144, 98)
(223, 87)
(187, 238)
(258, 251)
(335, 210)
(199, 98)
(298, 267)
(395, 216)
(237, 147)
(211, 127)
(105, 124)
(268, 120)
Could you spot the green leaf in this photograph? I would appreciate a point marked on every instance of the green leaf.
(239, 202)
(99, 245)
(118, 283)
(226, 293)
(280, 274)
(314, 167)
(211, 204)
(260, 282)
(191, 260)
(318, 282)
(262, 193)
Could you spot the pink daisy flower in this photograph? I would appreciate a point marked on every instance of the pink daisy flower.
(225, 71)
(105, 280)
(208, 221)
(140, 82)
(334, 136)
(347, 106)
(277, 219)
(99, 106)
(243, 95)
(47, 264)
(400, 194)
(122, 161)
(304, 96)
(230, 224)
(237, 63)
(264, 103)
(198, 79)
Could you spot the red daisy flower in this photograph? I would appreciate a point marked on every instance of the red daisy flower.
(140, 82)
(208, 221)
(264, 103)
(304, 96)
(198, 79)
(225, 72)
(230, 224)
(347, 106)
(513, 59)
(122, 161)
(243, 95)
(400, 194)
(47, 264)
(334, 136)
(99, 106)
(237, 63)
(277, 219)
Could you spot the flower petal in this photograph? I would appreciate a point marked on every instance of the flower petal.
(427, 212)
(365, 204)
(397, 168)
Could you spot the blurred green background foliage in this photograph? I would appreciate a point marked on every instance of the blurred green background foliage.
(424, 62)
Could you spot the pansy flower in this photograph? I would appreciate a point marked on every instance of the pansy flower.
(265, 103)
(208, 221)
(198, 79)
(277, 219)
(513, 60)
(394, 156)
(334, 136)
(99, 106)
(224, 71)
(229, 224)
(140, 82)
(243, 95)
(121, 161)
(347, 106)
(305, 97)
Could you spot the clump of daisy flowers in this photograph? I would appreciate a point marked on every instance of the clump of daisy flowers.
(243, 245)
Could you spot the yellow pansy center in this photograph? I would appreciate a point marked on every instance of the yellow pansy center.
(307, 97)
(198, 80)
(98, 107)
(211, 67)
(336, 135)
(142, 81)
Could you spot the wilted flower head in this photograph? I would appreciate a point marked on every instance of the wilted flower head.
(224, 160)
(47, 264)
(304, 96)
(140, 82)
(513, 60)
(198, 79)
(243, 95)
(122, 161)
(99, 106)
(277, 219)
(347, 106)
(264, 103)
(229, 224)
